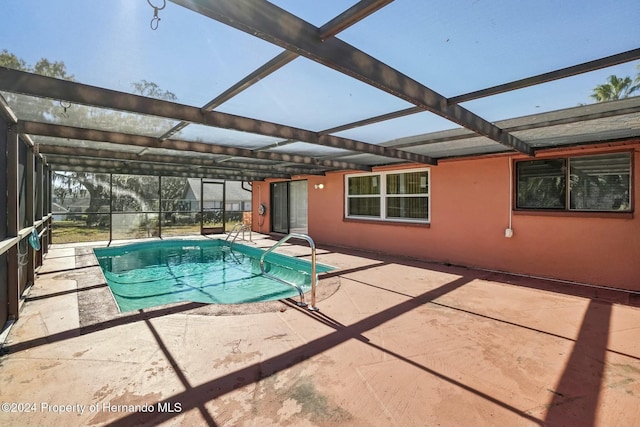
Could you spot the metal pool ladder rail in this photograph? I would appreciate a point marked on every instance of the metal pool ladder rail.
(239, 228)
(314, 277)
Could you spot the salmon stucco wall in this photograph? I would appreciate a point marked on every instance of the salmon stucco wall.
(470, 209)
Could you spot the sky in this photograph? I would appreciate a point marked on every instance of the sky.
(450, 46)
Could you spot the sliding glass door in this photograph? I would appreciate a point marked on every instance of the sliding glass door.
(289, 207)
(298, 207)
(280, 207)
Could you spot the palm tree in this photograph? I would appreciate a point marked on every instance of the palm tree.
(615, 88)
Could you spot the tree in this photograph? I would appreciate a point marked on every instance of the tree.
(10, 60)
(55, 69)
(40, 109)
(135, 192)
(61, 193)
(152, 90)
(44, 67)
(615, 88)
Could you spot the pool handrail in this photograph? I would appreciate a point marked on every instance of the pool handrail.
(314, 277)
(238, 228)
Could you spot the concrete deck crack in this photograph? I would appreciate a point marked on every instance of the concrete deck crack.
(390, 417)
(292, 329)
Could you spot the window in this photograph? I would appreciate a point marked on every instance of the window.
(232, 206)
(389, 196)
(599, 183)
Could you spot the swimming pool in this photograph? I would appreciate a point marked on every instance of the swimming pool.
(143, 275)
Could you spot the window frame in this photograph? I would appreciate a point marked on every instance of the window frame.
(567, 210)
(383, 197)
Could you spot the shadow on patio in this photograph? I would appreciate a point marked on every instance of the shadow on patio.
(401, 343)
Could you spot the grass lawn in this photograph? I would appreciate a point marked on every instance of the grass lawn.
(78, 231)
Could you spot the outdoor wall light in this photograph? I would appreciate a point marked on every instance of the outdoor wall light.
(319, 186)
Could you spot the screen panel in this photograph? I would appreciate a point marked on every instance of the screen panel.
(3, 181)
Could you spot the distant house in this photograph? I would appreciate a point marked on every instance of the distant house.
(59, 212)
(236, 198)
(70, 206)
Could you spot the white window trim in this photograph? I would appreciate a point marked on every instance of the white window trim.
(383, 196)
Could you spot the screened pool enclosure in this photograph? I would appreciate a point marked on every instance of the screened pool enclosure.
(105, 123)
(94, 206)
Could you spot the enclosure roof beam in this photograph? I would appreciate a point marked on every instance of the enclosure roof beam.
(47, 129)
(539, 121)
(574, 70)
(47, 87)
(375, 119)
(274, 64)
(536, 121)
(585, 67)
(79, 152)
(7, 112)
(275, 145)
(352, 15)
(275, 25)
(355, 13)
(153, 169)
(123, 169)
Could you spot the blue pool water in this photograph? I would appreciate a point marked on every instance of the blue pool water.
(148, 274)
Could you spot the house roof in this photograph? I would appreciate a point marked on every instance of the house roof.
(233, 191)
(304, 61)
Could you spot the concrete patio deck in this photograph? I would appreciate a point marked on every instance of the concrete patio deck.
(400, 343)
